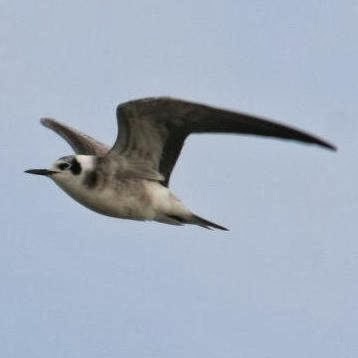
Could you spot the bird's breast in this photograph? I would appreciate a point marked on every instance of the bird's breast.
(128, 198)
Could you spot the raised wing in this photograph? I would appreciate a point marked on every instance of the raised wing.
(81, 143)
(152, 131)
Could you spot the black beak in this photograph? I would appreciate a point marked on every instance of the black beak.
(40, 172)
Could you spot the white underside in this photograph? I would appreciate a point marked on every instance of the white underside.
(149, 201)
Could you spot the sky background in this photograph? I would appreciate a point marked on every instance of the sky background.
(283, 282)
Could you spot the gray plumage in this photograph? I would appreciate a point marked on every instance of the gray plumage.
(151, 134)
(81, 143)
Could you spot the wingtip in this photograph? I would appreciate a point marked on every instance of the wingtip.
(329, 146)
(334, 148)
(45, 121)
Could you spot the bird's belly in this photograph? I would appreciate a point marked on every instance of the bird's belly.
(130, 200)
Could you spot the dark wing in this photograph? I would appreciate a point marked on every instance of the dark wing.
(81, 143)
(153, 130)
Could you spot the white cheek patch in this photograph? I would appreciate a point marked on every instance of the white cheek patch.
(86, 161)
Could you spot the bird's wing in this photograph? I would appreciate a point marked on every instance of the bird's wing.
(81, 143)
(152, 131)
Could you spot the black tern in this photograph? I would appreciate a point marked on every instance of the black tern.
(131, 179)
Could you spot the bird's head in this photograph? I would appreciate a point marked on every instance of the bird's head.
(69, 171)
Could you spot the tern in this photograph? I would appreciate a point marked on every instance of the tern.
(131, 179)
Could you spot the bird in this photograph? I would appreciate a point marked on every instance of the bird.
(131, 179)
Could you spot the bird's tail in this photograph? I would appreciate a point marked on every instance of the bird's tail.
(197, 220)
(189, 219)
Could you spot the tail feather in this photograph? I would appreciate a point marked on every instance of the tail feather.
(195, 219)
(192, 219)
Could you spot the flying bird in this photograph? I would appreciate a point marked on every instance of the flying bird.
(131, 179)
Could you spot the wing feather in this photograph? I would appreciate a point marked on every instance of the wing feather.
(81, 143)
(153, 130)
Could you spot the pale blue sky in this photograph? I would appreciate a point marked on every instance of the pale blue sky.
(283, 282)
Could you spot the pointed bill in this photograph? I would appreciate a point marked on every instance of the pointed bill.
(45, 172)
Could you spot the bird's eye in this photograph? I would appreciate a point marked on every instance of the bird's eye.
(63, 166)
